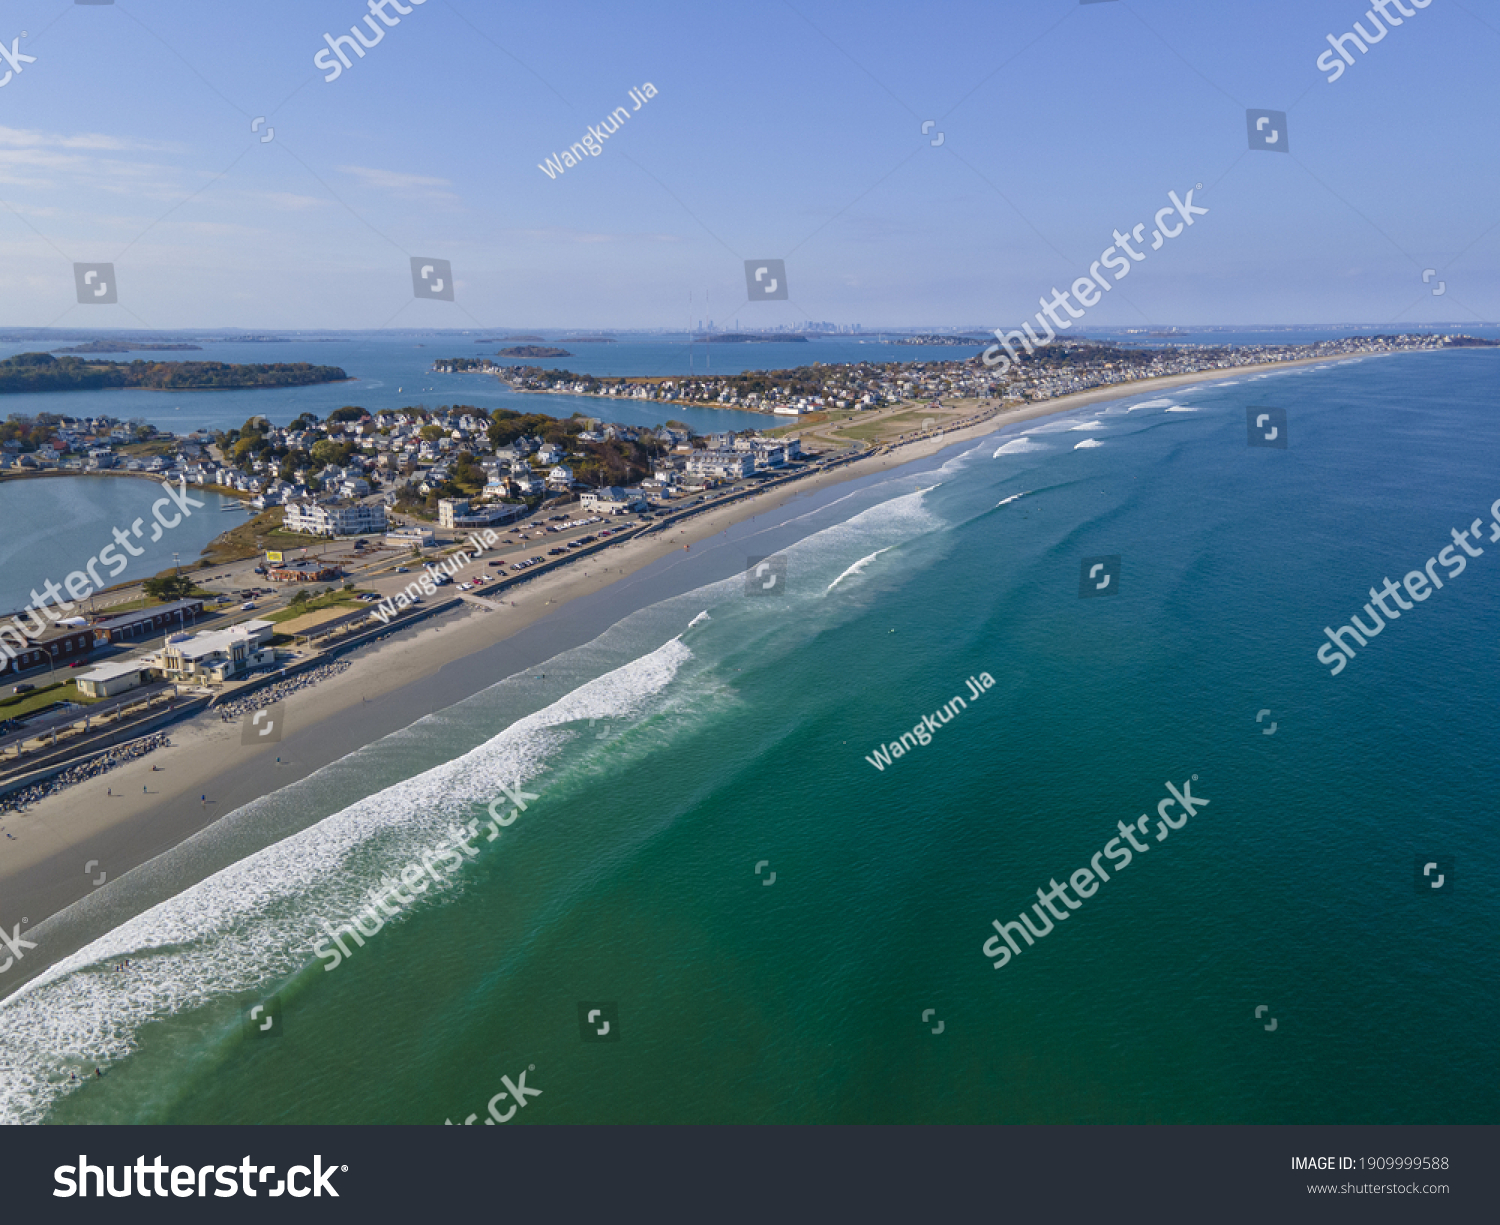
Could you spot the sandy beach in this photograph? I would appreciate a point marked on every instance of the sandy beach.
(135, 813)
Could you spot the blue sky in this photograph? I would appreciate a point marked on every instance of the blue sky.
(789, 131)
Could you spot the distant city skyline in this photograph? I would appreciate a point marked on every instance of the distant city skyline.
(898, 166)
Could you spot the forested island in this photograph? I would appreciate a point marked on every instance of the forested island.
(533, 351)
(124, 346)
(44, 372)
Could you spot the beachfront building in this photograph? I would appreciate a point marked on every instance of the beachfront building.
(350, 519)
(720, 465)
(63, 645)
(144, 622)
(410, 538)
(612, 500)
(109, 679)
(455, 513)
(215, 656)
(767, 452)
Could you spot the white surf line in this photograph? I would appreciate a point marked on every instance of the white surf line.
(857, 567)
(1012, 498)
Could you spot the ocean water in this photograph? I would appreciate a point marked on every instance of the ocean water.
(718, 737)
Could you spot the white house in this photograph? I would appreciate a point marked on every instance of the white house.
(612, 500)
(722, 465)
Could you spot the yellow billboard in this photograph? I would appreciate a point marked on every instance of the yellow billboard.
(272, 555)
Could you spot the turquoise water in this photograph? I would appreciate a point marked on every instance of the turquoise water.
(676, 753)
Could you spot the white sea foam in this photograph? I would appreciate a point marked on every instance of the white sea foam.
(1183, 409)
(699, 619)
(856, 568)
(1088, 442)
(1090, 425)
(1150, 404)
(252, 922)
(1018, 446)
(957, 462)
(1012, 498)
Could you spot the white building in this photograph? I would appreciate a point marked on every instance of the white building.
(354, 519)
(456, 513)
(720, 465)
(109, 679)
(612, 500)
(409, 537)
(216, 655)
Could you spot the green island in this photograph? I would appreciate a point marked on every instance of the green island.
(44, 372)
(533, 351)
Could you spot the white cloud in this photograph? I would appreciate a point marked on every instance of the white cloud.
(412, 186)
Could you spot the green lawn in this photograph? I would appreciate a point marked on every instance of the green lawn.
(45, 695)
(335, 599)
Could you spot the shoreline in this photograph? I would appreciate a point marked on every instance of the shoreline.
(397, 681)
